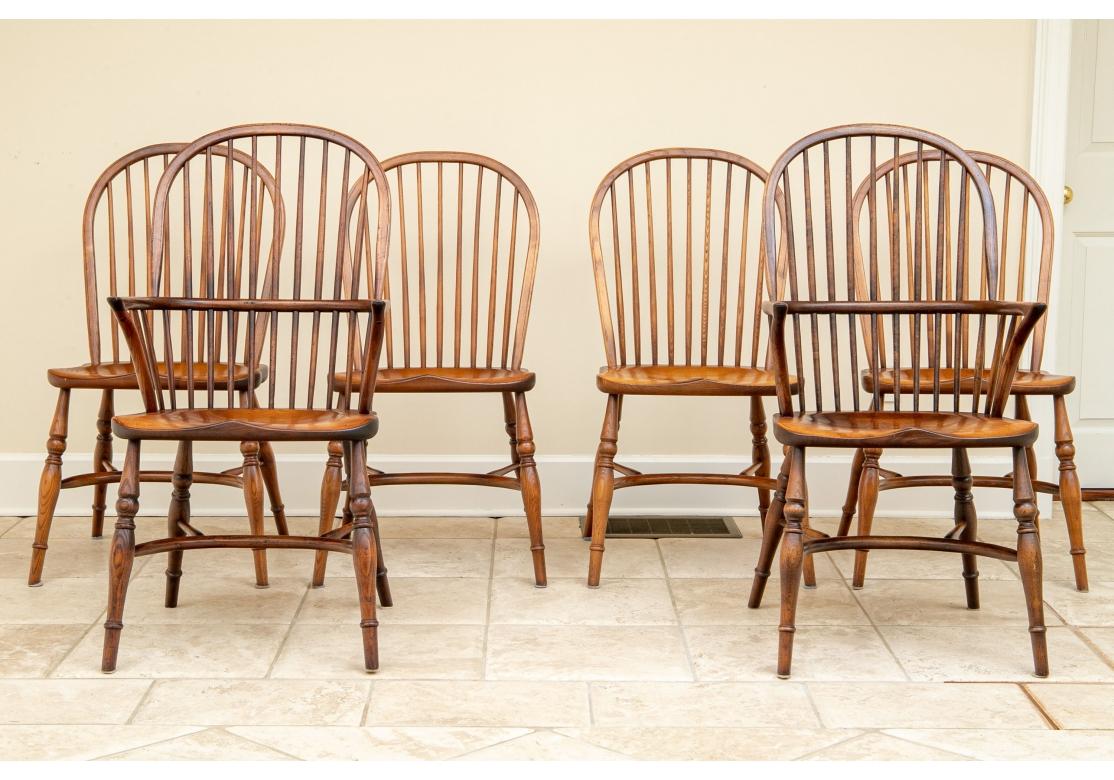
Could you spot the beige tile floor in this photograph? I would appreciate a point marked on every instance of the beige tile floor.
(664, 661)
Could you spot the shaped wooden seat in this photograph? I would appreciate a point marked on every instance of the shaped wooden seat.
(251, 424)
(1024, 222)
(115, 236)
(830, 327)
(686, 380)
(903, 429)
(121, 376)
(1025, 383)
(679, 282)
(444, 380)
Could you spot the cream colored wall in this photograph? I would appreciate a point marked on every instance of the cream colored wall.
(560, 102)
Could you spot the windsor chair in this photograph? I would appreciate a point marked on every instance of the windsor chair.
(924, 322)
(296, 295)
(686, 320)
(1019, 200)
(115, 238)
(465, 245)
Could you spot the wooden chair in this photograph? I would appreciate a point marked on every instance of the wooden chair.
(197, 411)
(815, 176)
(1019, 202)
(296, 295)
(461, 277)
(679, 299)
(116, 230)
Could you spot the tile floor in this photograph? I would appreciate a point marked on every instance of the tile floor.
(664, 661)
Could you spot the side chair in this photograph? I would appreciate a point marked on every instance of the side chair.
(1024, 219)
(680, 278)
(460, 277)
(116, 233)
(816, 177)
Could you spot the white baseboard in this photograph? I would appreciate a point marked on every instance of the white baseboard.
(566, 480)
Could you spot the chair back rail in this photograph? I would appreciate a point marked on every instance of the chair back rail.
(842, 241)
(117, 231)
(462, 261)
(680, 272)
(340, 337)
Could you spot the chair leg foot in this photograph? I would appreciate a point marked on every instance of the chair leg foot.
(530, 486)
(792, 559)
(253, 498)
(330, 498)
(603, 487)
(50, 485)
(1029, 559)
(179, 513)
(868, 500)
(269, 469)
(102, 455)
(772, 529)
(1071, 497)
(364, 553)
(122, 556)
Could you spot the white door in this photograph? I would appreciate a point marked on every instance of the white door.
(1085, 309)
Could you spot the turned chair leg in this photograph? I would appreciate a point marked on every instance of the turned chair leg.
(121, 556)
(852, 499)
(1029, 558)
(1071, 498)
(179, 514)
(966, 520)
(50, 484)
(772, 529)
(271, 482)
(792, 559)
(330, 499)
(530, 485)
(868, 500)
(253, 499)
(364, 551)
(102, 457)
(760, 452)
(603, 486)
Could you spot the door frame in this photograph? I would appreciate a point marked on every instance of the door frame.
(1048, 139)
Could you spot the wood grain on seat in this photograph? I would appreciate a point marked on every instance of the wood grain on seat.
(902, 429)
(687, 380)
(1025, 383)
(443, 380)
(247, 425)
(121, 376)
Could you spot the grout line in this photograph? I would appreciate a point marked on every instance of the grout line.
(588, 694)
(278, 750)
(1044, 713)
(89, 629)
(676, 612)
(490, 598)
(812, 703)
(499, 742)
(197, 730)
(870, 617)
(844, 741)
(884, 732)
(142, 700)
(289, 631)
